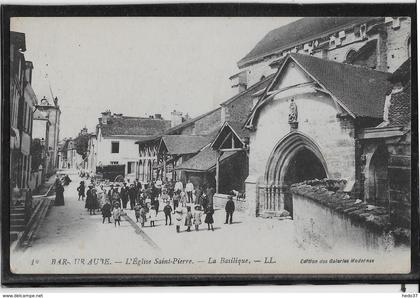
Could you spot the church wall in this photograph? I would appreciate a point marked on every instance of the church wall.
(317, 117)
(397, 43)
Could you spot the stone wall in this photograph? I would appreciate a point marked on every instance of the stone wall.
(205, 125)
(375, 218)
(397, 43)
(256, 71)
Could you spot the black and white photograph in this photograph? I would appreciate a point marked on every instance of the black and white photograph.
(211, 145)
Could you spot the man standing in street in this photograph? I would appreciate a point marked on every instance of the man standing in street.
(189, 188)
(179, 186)
(124, 195)
(229, 208)
(132, 195)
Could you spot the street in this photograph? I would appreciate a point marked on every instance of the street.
(71, 238)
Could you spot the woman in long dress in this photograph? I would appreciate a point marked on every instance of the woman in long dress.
(59, 194)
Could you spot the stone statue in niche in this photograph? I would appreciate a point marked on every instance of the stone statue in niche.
(293, 112)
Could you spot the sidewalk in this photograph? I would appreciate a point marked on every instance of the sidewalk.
(44, 188)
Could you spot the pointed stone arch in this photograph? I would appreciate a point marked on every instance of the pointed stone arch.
(284, 152)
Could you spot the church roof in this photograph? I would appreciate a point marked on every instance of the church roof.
(204, 161)
(361, 90)
(298, 32)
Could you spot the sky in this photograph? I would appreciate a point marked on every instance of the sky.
(137, 66)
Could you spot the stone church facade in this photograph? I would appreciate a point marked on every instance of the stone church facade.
(306, 125)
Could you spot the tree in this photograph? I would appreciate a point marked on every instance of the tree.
(81, 143)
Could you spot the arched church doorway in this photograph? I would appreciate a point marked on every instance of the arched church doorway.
(304, 165)
(296, 158)
(378, 177)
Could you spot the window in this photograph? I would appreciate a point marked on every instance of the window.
(115, 147)
(114, 162)
(130, 167)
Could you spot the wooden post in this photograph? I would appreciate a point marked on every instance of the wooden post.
(217, 171)
(164, 168)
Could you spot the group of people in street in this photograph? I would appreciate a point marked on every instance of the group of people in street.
(188, 205)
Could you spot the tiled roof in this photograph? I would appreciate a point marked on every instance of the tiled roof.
(360, 89)
(133, 126)
(204, 161)
(295, 33)
(184, 144)
(399, 112)
(403, 73)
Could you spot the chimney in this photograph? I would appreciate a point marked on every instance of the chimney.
(28, 71)
(106, 116)
(176, 118)
(239, 81)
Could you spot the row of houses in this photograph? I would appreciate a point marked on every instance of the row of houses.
(34, 134)
(34, 124)
(317, 98)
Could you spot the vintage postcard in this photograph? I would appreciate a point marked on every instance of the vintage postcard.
(211, 145)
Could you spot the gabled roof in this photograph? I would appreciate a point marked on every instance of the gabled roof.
(359, 90)
(298, 32)
(236, 128)
(133, 126)
(204, 161)
(183, 144)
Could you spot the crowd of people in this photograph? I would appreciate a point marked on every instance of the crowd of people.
(181, 206)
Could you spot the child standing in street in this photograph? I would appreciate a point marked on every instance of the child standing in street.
(188, 219)
(183, 201)
(176, 199)
(209, 217)
(81, 190)
(152, 216)
(197, 217)
(137, 211)
(106, 212)
(167, 210)
(116, 213)
(178, 218)
(143, 215)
